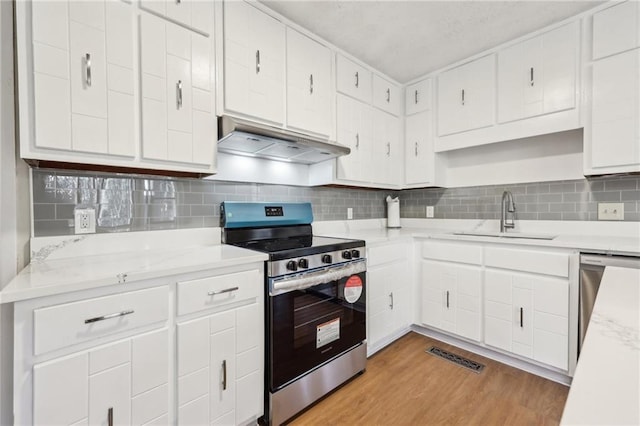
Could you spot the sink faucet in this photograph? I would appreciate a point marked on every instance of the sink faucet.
(508, 206)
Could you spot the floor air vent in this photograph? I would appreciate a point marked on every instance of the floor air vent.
(456, 359)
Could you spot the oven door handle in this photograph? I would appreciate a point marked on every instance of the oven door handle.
(313, 278)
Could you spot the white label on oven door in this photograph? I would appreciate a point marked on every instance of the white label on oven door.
(353, 289)
(327, 332)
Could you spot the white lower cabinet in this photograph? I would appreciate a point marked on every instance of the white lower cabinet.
(528, 314)
(115, 357)
(389, 295)
(451, 298)
(220, 356)
(125, 381)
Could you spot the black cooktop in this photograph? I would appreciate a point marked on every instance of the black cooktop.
(285, 248)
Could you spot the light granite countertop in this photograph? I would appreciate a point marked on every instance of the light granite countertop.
(65, 264)
(606, 385)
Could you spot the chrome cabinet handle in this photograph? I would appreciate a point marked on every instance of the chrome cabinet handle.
(311, 84)
(388, 149)
(110, 416)
(416, 97)
(447, 299)
(391, 300)
(357, 79)
(179, 94)
(224, 374)
(109, 316)
(388, 95)
(357, 140)
(462, 96)
(87, 63)
(178, 1)
(521, 317)
(416, 149)
(258, 61)
(531, 77)
(226, 290)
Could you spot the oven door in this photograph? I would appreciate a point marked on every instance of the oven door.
(312, 319)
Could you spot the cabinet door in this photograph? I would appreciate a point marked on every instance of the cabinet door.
(432, 293)
(379, 314)
(498, 300)
(353, 79)
(176, 93)
(50, 404)
(419, 156)
(418, 97)
(386, 95)
(614, 134)
(388, 155)
(522, 334)
(110, 396)
(354, 129)
(196, 14)
(309, 86)
(616, 29)
(223, 372)
(254, 62)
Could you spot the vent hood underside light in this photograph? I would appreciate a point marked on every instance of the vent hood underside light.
(242, 137)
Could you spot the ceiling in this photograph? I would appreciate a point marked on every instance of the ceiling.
(408, 39)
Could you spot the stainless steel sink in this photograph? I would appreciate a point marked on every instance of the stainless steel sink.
(506, 235)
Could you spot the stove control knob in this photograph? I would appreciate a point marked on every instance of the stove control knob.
(355, 254)
(346, 254)
(292, 265)
(303, 263)
(326, 258)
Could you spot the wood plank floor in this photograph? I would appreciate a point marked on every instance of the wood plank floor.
(403, 385)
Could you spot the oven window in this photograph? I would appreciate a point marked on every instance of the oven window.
(311, 326)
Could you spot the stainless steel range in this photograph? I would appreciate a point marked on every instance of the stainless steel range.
(315, 304)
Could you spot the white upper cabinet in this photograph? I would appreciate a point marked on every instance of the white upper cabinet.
(418, 97)
(612, 138)
(466, 96)
(386, 95)
(353, 79)
(354, 129)
(192, 13)
(254, 63)
(538, 76)
(616, 29)
(177, 102)
(419, 161)
(310, 91)
(83, 78)
(388, 153)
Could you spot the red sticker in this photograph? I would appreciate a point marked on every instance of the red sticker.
(353, 289)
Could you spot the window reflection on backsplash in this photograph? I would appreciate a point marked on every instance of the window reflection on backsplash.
(139, 203)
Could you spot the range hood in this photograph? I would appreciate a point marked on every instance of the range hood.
(243, 137)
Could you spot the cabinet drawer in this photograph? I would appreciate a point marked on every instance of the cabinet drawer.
(538, 262)
(352, 79)
(452, 252)
(386, 254)
(64, 325)
(220, 290)
(386, 95)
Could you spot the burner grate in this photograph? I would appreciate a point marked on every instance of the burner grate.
(476, 367)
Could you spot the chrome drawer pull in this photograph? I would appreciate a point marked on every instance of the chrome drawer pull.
(531, 79)
(311, 84)
(521, 318)
(224, 374)
(226, 290)
(87, 60)
(357, 79)
(447, 299)
(357, 140)
(179, 94)
(416, 149)
(257, 61)
(391, 300)
(416, 97)
(388, 95)
(106, 317)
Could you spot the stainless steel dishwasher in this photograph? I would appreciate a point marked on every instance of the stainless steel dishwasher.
(592, 268)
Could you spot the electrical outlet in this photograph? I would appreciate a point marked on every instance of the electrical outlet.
(349, 213)
(610, 211)
(85, 221)
(429, 211)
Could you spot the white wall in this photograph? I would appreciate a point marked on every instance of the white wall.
(556, 156)
(14, 206)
